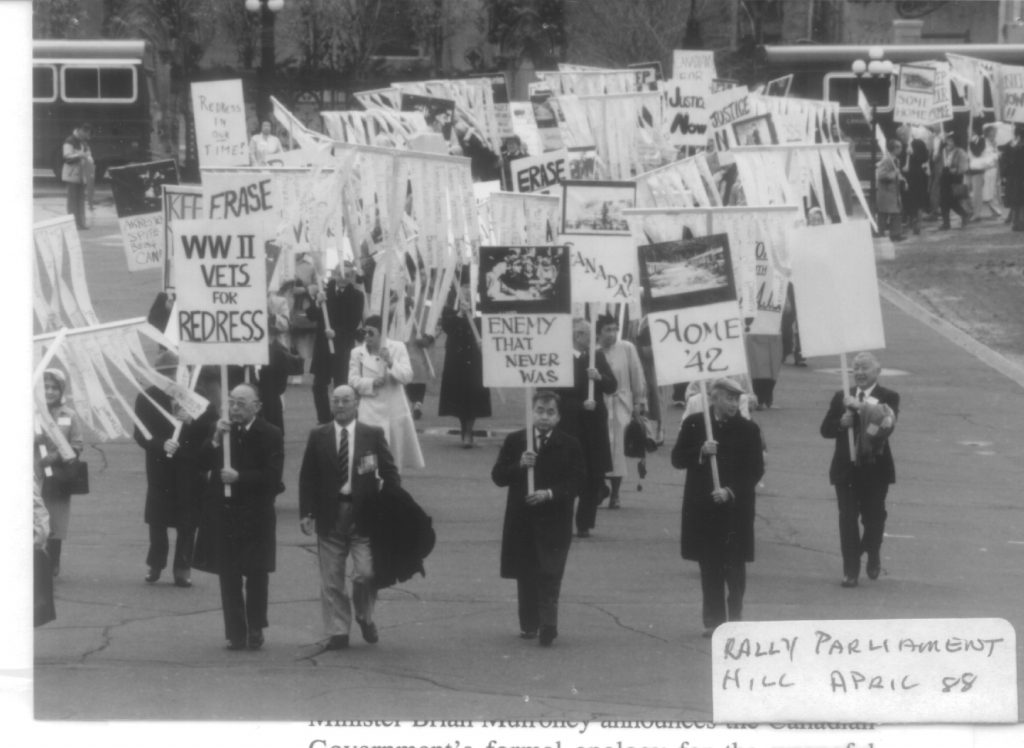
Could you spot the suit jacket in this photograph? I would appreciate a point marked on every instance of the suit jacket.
(238, 533)
(320, 476)
(590, 427)
(345, 312)
(842, 466)
(538, 537)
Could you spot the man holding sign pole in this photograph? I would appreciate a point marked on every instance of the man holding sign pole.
(718, 515)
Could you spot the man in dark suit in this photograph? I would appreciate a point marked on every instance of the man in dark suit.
(587, 419)
(237, 535)
(344, 305)
(861, 482)
(343, 468)
(538, 525)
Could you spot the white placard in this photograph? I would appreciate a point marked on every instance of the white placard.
(218, 108)
(143, 237)
(942, 107)
(686, 111)
(836, 288)
(1011, 86)
(527, 350)
(771, 281)
(603, 268)
(700, 342)
(906, 670)
(697, 65)
(728, 106)
(913, 107)
(221, 283)
(539, 173)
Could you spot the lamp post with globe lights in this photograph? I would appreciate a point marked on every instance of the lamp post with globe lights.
(268, 10)
(878, 69)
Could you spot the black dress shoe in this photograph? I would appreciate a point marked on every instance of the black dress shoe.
(236, 644)
(152, 576)
(528, 634)
(255, 639)
(547, 635)
(182, 582)
(338, 641)
(874, 567)
(369, 631)
(849, 582)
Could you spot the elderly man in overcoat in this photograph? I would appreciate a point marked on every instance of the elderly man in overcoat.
(237, 537)
(718, 523)
(538, 525)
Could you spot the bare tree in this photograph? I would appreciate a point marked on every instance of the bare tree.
(435, 22)
(57, 19)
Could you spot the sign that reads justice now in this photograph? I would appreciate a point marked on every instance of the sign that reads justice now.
(527, 350)
(221, 282)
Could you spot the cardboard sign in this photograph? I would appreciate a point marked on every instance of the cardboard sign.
(836, 288)
(527, 350)
(906, 670)
(181, 203)
(726, 107)
(1011, 86)
(693, 65)
(544, 173)
(438, 113)
(525, 127)
(779, 86)
(603, 268)
(942, 106)
(771, 283)
(701, 342)
(525, 280)
(138, 199)
(221, 284)
(686, 111)
(686, 273)
(912, 107)
(218, 108)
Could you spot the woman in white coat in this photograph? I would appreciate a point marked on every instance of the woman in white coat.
(377, 370)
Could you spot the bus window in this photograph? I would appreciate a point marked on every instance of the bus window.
(44, 83)
(98, 84)
(843, 87)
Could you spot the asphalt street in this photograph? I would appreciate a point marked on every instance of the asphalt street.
(630, 630)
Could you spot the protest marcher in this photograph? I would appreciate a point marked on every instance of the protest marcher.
(301, 329)
(862, 481)
(936, 156)
(377, 370)
(627, 401)
(953, 192)
(75, 171)
(537, 528)
(989, 194)
(344, 305)
(343, 464)
(42, 572)
(915, 172)
(652, 413)
(272, 377)
(764, 360)
(718, 523)
(889, 181)
(55, 494)
(463, 394)
(237, 532)
(1012, 167)
(587, 420)
(975, 176)
(263, 146)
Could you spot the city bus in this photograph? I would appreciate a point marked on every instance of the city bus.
(109, 83)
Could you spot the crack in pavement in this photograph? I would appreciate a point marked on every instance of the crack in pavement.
(620, 624)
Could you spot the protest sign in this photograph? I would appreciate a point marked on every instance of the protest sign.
(726, 107)
(138, 199)
(686, 272)
(527, 350)
(693, 65)
(590, 207)
(547, 123)
(648, 74)
(686, 111)
(779, 86)
(915, 94)
(60, 292)
(603, 268)
(182, 202)
(883, 670)
(438, 113)
(220, 279)
(525, 128)
(525, 279)
(1011, 88)
(218, 108)
(836, 288)
(942, 105)
(541, 173)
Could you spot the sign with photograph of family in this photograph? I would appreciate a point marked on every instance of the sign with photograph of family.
(525, 280)
(596, 207)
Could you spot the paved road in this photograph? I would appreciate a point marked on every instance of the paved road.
(630, 642)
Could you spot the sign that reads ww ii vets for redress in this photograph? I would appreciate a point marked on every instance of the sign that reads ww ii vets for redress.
(220, 279)
(689, 297)
(527, 321)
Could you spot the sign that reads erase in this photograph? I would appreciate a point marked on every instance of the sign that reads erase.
(908, 670)
(527, 350)
(539, 173)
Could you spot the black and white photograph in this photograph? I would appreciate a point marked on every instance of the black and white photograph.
(439, 113)
(779, 86)
(755, 131)
(525, 280)
(686, 272)
(916, 78)
(138, 188)
(596, 207)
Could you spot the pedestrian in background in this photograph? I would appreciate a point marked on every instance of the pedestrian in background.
(264, 146)
(343, 303)
(1013, 178)
(915, 174)
(989, 161)
(889, 190)
(953, 191)
(463, 394)
(718, 523)
(76, 171)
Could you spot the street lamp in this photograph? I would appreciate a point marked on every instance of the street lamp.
(267, 10)
(875, 68)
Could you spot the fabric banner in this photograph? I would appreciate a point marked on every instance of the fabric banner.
(379, 127)
(527, 350)
(836, 288)
(220, 279)
(138, 199)
(969, 75)
(525, 128)
(530, 218)
(627, 131)
(686, 111)
(603, 268)
(683, 183)
(60, 289)
(222, 138)
(694, 65)
(1011, 89)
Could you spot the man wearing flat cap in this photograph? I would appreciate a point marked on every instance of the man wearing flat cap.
(718, 523)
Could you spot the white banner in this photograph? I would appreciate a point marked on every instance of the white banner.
(726, 107)
(143, 237)
(218, 108)
(694, 65)
(220, 279)
(686, 111)
(182, 202)
(539, 173)
(603, 268)
(1011, 87)
(527, 350)
(700, 342)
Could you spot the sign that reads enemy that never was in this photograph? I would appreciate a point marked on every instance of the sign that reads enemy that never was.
(527, 350)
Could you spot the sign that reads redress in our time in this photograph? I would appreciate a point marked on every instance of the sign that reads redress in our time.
(219, 111)
(221, 283)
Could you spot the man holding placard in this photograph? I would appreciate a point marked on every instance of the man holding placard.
(862, 480)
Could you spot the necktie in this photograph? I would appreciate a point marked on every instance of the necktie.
(542, 439)
(860, 396)
(343, 457)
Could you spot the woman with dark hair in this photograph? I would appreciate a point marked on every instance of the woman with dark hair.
(463, 394)
(952, 190)
(915, 197)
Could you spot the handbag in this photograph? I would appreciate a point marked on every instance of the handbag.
(71, 477)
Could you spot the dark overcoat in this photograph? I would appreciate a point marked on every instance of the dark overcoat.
(463, 394)
(590, 427)
(707, 526)
(345, 312)
(536, 538)
(883, 469)
(238, 533)
(401, 536)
